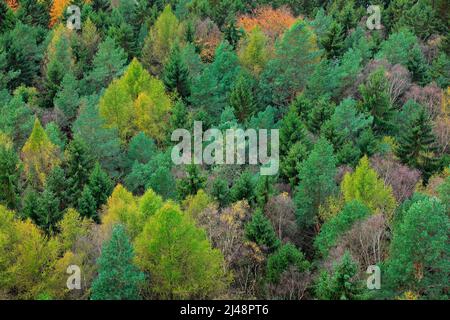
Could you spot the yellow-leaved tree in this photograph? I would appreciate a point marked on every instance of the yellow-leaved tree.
(39, 156)
(136, 102)
(365, 186)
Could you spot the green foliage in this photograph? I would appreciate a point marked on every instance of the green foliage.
(176, 74)
(109, 62)
(10, 169)
(364, 185)
(118, 278)
(241, 97)
(190, 184)
(212, 89)
(376, 101)
(416, 145)
(169, 242)
(221, 192)
(341, 284)
(260, 230)
(316, 177)
(286, 75)
(78, 165)
(332, 229)
(287, 255)
(243, 188)
(419, 251)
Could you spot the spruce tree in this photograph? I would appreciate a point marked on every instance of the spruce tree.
(9, 176)
(78, 164)
(416, 145)
(118, 278)
(176, 74)
(100, 186)
(87, 206)
(241, 97)
(260, 230)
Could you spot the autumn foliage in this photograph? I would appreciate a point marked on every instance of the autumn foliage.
(13, 4)
(273, 22)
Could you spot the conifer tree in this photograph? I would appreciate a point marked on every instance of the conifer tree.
(241, 97)
(260, 230)
(118, 278)
(316, 182)
(87, 206)
(342, 283)
(417, 145)
(100, 186)
(78, 164)
(39, 156)
(176, 74)
(10, 169)
(365, 186)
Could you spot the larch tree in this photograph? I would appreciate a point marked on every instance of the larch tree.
(39, 156)
(365, 186)
(159, 41)
(169, 242)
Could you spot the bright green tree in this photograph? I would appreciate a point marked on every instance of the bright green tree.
(169, 242)
(365, 186)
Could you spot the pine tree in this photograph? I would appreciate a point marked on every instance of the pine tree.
(10, 170)
(109, 62)
(57, 183)
(7, 18)
(34, 12)
(47, 211)
(419, 254)
(316, 184)
(39, 156)
(176, 74)
(100, 186)
(193, 182)
(333, 41)
(118, 278)
(376, 101)
(78, 164)
(241, 97)
(260, 230)
(341, 284)
(320, 112)
(87, 206)
(286, 256)
(221, 192)
(292, 131)
(103, 142)
(67, 100)
(244, 188)
(417, 145)
(264, 190)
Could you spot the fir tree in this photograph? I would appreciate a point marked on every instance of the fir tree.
(176, 74)
(417, 145)
(118, 278)
(260, 230)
